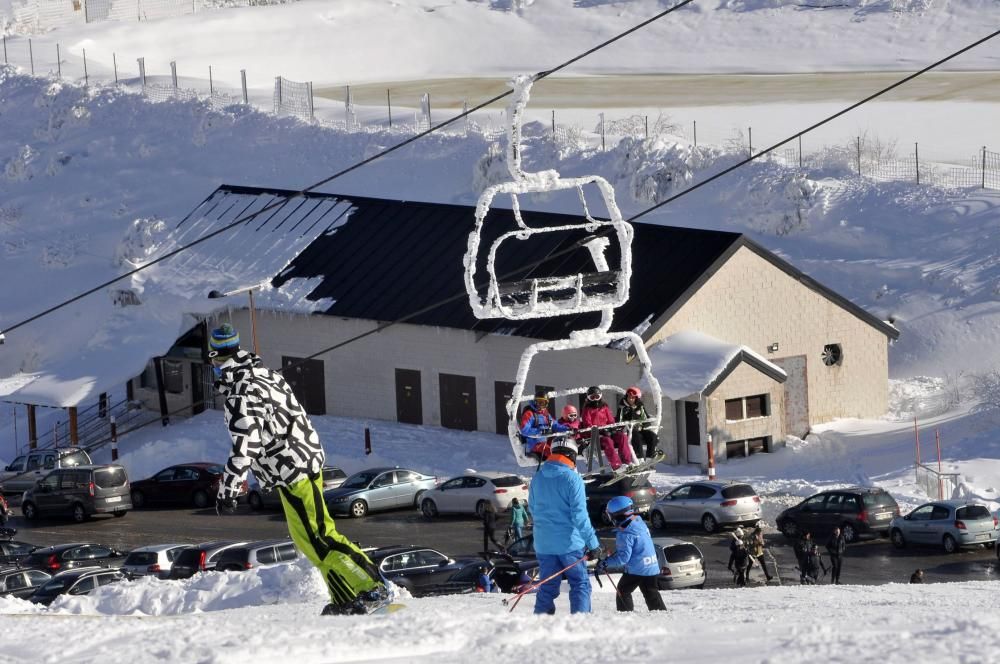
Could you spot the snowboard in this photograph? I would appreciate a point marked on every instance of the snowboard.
(638, 469)
(387, 609)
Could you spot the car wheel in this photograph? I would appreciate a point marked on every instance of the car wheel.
(256, 502)
(29, 511)
(200, 499)
(79, 514)
(897, 538)
(950, 545)
(138, 499)
(119, 515)
(789, 529)
(359, 509)
(480, 508)
(850, 532)
(417, 498)
(428, 508)
(657, 521)
(700, 586)
(709, 523)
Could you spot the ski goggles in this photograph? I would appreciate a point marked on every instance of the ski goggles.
(542, 402)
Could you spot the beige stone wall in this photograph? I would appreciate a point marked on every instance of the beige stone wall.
(751, 302)
(744, 381)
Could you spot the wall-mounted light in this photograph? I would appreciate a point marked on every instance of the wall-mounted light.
(773, 348)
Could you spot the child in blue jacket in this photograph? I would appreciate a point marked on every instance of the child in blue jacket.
(634, 551)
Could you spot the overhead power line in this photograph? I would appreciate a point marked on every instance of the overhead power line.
(159, 259)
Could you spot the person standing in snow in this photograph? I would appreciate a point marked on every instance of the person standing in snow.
(536, 424)
(835, 548)
(631, 409)
(739, 560)
(489, 527)
(518, 518)
(813, 564)
(634, 551)
(563, 535)
(801, 549)
(755, 545)
(273, 437)
(597, 413)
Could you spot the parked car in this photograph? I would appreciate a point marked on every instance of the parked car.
(75, 582)
(507, 574)
(638, 488)
(199, 558)
(378, 489)
(260, 498)
(11, 551)
(155, 560)
(857, 511)
(471, 492)
(416, 568)
(711, 504)
(682, 564)
(266, 553)
(62, 557)
(184, 484)
(22, 473)
(21, 583)
(80, 492)
(952, 524)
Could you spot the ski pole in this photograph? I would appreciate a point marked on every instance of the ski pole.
(517, 598)
(613, 584)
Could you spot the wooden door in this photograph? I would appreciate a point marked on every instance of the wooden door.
(409, 403)
(458, 401)
(502, 391)
(307, 380)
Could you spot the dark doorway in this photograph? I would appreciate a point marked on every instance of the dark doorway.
(552, 402)
(409, 403)
(308, 383)
(502, 392)
(692, 428)
(458, 402)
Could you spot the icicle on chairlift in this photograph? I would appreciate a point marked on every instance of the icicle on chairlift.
(544, 297)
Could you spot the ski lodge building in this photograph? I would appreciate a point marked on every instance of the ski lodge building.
(745, 347)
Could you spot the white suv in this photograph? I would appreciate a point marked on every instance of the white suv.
(712, 504)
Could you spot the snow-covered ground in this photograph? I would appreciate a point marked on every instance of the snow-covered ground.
(83, 173)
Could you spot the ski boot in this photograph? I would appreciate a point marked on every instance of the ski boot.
(365, 603)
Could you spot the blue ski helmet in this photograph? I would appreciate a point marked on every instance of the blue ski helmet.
(620, 505)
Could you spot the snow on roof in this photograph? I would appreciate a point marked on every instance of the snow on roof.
(687, 363)
(101, 345)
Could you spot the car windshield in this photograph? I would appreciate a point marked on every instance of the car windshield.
(359, 480)
(214, 470)
(53, 587)
(510, 480)
(681, 553)
(973, 512)
(79, 458)
(141, 558)
(108, 478)
(882, 500)
(738, 491)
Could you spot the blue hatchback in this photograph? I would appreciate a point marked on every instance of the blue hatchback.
(378, 489)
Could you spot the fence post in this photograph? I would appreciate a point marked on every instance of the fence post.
(312, 115)
(916, 160)
(647, 126)
(86, 78)
(859, 156)
(388, 101)
(750, 139)
(602, 133)
(695, 133)
(916, 438)
(173, 73)
(211, 84)
(114, 62)
(142, 71)
(800, 151)
(465, 114)
(58, 61)
(31, 57)
(368, 441)
(347, 108)
(711, 458)
(984, 167)
(243, 81)
(937, 441)
(114, 439)
(553, 124)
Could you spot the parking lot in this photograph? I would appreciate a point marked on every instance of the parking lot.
(868, 562)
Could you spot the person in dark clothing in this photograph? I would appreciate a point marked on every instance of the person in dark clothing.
(739, 559)
(917, 577)
(835, 548)
(4, 509)
(755, 545)
(801, 551)
(489, 528)
(630, 408)
(813, 564)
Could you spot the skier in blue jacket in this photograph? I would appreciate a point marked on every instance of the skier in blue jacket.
(536, 424)
(564, 537)
(634, 551)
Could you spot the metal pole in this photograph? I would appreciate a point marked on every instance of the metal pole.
(430, 123)
(211, 84)
(311, 108)
(31, 55)
(916, 160)
(114, 61)
(711, 459)
(368, 441)
(553, 123)
(114, 439)
(388, 101)
(142, 74)
(602, 133)
(696, 133)
(859, 156)
(750, 139)
(32, 428)
(243, 80)
(253, 324)
(58, 62)
(916, 439)
(984, 166)
(937, 441)
(173, 73)
(86, 78)
(800, 151)
(647, 126)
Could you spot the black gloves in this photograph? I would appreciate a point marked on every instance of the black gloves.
(225, 506)
(597, 554)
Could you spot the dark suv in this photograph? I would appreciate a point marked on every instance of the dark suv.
(857, 511)
(199, 558)
(642, 493)
(79, 492)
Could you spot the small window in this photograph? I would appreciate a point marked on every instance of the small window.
(973, 512)
(83, 586)
(428, 557)
(680, 493)
(736, 449)
(110, 478)
(701, 492)
(757, 406)
(815, 503)
(940, 513)
(36, 577)
(141, 558)
(454, 484)
(833, 355)
(16, 582)
(510, 480)
(738, 491)
(75, 458)
(680, 553)
(105, 579)
(165, 475)
(385, 479)
(17, 465)
(734, 409)
(50, 481)
(474, 482)
(265, 556)
(403, 476)
(922, 513)
(286, 551)
(147, 378)
(49, 462)
(34, 461)
(173, 376)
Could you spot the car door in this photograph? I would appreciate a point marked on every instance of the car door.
(673, 505)
(12, 473)
(437, 565)
(15, 584)
(403, 489)
(916, 525)
(83, 587)
(46, 495)
(186, 481)
(380, 492)
(837, 508)
(810, 514)
(700, 501)
(33, 471)
(473, 490)
(444, 498)
(940, 523)
(157, 490)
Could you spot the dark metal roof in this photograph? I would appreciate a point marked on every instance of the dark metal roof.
(394, 260)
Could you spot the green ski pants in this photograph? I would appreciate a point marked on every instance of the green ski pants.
(345, 568)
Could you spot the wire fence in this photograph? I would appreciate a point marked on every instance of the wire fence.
(290, 98)
(32, 16)
(937, 485)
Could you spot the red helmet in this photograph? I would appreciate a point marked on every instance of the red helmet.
(633, 392)
(569, 410)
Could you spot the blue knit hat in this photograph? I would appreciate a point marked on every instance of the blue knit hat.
(224, 342)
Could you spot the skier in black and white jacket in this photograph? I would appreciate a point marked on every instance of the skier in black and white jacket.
(272, 436)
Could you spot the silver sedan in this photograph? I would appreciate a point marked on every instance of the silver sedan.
(712, 504)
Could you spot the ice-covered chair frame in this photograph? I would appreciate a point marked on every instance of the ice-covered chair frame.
(578, 340)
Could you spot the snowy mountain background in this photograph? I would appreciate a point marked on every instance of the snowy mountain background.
(90, 176)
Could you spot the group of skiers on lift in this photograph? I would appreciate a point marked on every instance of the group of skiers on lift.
(537, 426)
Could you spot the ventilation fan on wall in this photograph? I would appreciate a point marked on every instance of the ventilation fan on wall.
(832, 355)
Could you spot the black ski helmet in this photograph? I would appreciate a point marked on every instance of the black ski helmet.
(594, 393)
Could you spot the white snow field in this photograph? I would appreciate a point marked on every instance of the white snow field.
(88, 175)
